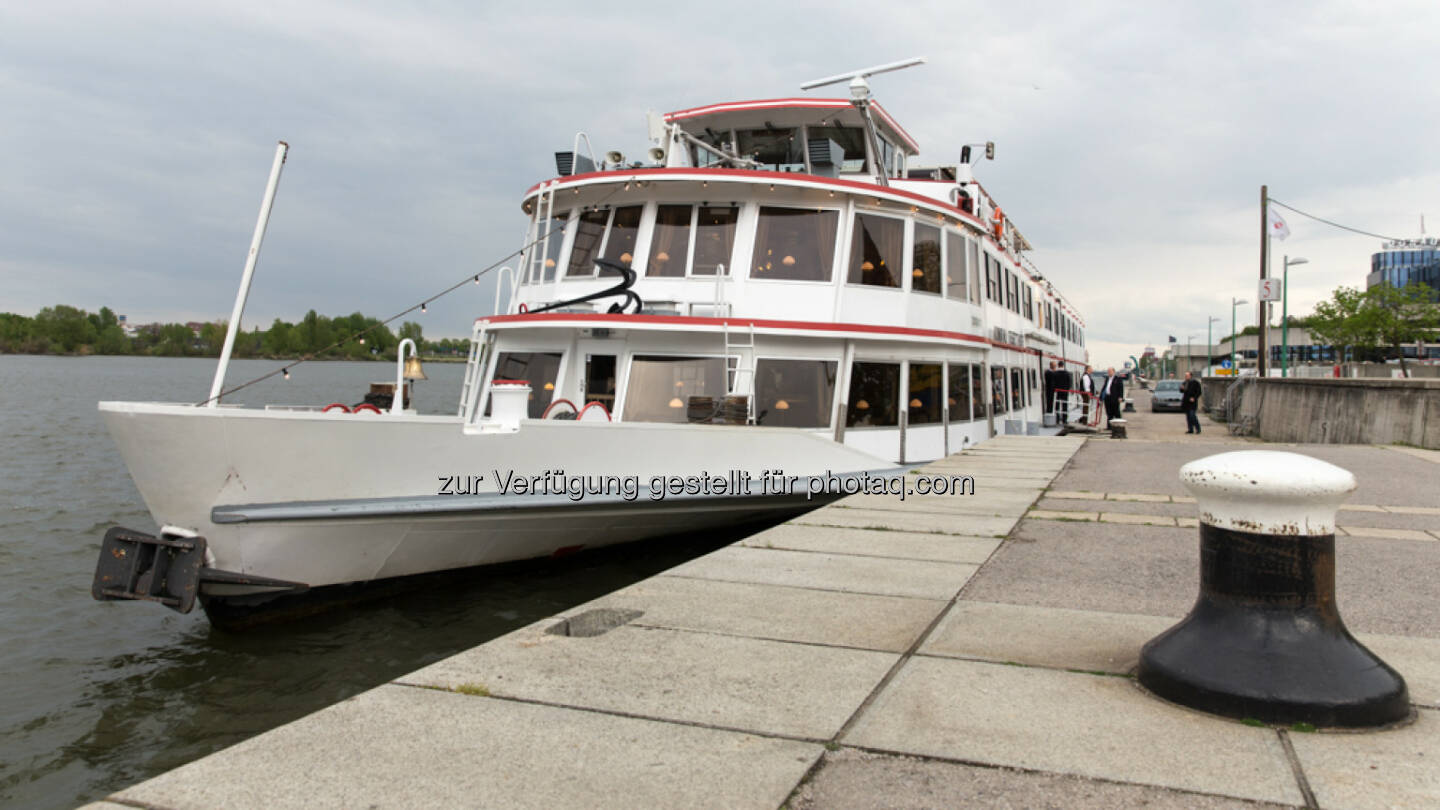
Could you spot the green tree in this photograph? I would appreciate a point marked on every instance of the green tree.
(15, 331)
(1340, 321)
(414, 331)
(1400, 315)
(69, 328)
(112, 340)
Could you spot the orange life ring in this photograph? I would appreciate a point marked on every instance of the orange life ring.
(332, 406)
(366, 407)
(997, 221)
(595, 404)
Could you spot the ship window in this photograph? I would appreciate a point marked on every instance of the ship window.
(925, 270)
(955, 273)
(926, 381)
(999, 403)
(795, 244)
(663, 388)
(794, 393)
(537, 368)
(620, 244)
(875, 251)
(1017, 389)
(959, 399)
(874, 395)
(587, 243)
(775, 149)
(887, 156)
(715, 237)
(977, 389)
(552, 236)
(850, 139)
(973, 252)
(670, 244)
(600, 379)
(1029, 305)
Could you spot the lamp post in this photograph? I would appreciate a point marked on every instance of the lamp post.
(1209, 342)
(1189, 352)
(1234, 365)
(1285, 315)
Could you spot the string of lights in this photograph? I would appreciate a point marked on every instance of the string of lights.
(423, 306)
(1274, 201)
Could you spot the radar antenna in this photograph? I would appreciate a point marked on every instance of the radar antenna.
(860, 98)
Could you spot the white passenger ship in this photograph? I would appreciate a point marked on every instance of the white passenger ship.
(781, 286)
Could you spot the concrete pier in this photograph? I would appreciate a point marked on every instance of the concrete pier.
(940, 651)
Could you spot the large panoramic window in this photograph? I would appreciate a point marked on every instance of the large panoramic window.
(670, 244)
(551, 234)
(714, 238)
(874, 395)
(849, 139)
(875, 251)
(775, 149)
(588, 233)
(794, 393)
(959, 400)
(956, 275)
(795, 244)
(664, 388)
(620, 244)
(540, 369)
(925, 269)
(926, 387)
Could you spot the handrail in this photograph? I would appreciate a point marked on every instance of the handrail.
(589, 146)
(504, 273)
(623, 288)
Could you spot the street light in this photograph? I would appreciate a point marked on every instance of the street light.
(1285, 315)
(1209, 343)
(1234, 366)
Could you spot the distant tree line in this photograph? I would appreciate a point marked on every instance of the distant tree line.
(64, 329)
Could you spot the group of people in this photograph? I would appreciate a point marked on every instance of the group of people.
(1059, 384)
(1057, 391)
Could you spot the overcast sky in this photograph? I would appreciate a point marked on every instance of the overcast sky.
(1132, 139)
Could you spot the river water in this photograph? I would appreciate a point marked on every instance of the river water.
(97, 696)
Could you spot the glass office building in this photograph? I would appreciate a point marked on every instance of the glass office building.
(1405, 262)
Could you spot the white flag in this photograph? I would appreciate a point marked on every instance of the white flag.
(1276, 224)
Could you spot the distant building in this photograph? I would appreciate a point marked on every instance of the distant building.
(1406, 261)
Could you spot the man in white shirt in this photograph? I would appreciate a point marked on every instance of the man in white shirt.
(1087, 385)
(1112, 393)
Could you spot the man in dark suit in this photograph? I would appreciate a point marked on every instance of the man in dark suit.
(1049, 379)
(1112, 392)
(1190, 401)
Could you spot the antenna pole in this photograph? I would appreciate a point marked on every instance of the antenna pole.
(265, 204)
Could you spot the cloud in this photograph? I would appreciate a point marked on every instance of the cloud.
(1132, 141)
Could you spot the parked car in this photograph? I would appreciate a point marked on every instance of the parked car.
(1167, 396)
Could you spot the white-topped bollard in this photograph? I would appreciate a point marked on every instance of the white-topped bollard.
(1265, 639)
(509, 402)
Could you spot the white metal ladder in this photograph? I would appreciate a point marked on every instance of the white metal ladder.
(480, 342)
(740, 365)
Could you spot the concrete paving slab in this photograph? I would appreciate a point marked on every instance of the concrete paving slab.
(1434, 533)
(1097, 726)
(1432, 456)
(888, 623)
(908, 521)
(1413, 510)
(1361, 507)
(861, 780)
(1137, 520)
(1136, 496)
(1086, 640)
(1377, 770)
(1124, 507)
(1072, 495)
(1060, 514)
(980, 505)
(1187, 522)
(716, 680)
(883, 576)
(870, 543)
(424, 748)
(1387, 534)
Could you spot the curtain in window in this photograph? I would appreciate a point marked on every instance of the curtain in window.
(925, 269)
(794, 244)
(875, 251)
(670, 244)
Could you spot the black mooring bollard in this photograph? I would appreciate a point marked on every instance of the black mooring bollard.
(1265, 639)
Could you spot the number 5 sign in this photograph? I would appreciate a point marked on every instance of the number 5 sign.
(1269, 289)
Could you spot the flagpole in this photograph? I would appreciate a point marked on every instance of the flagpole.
(1262, 354)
